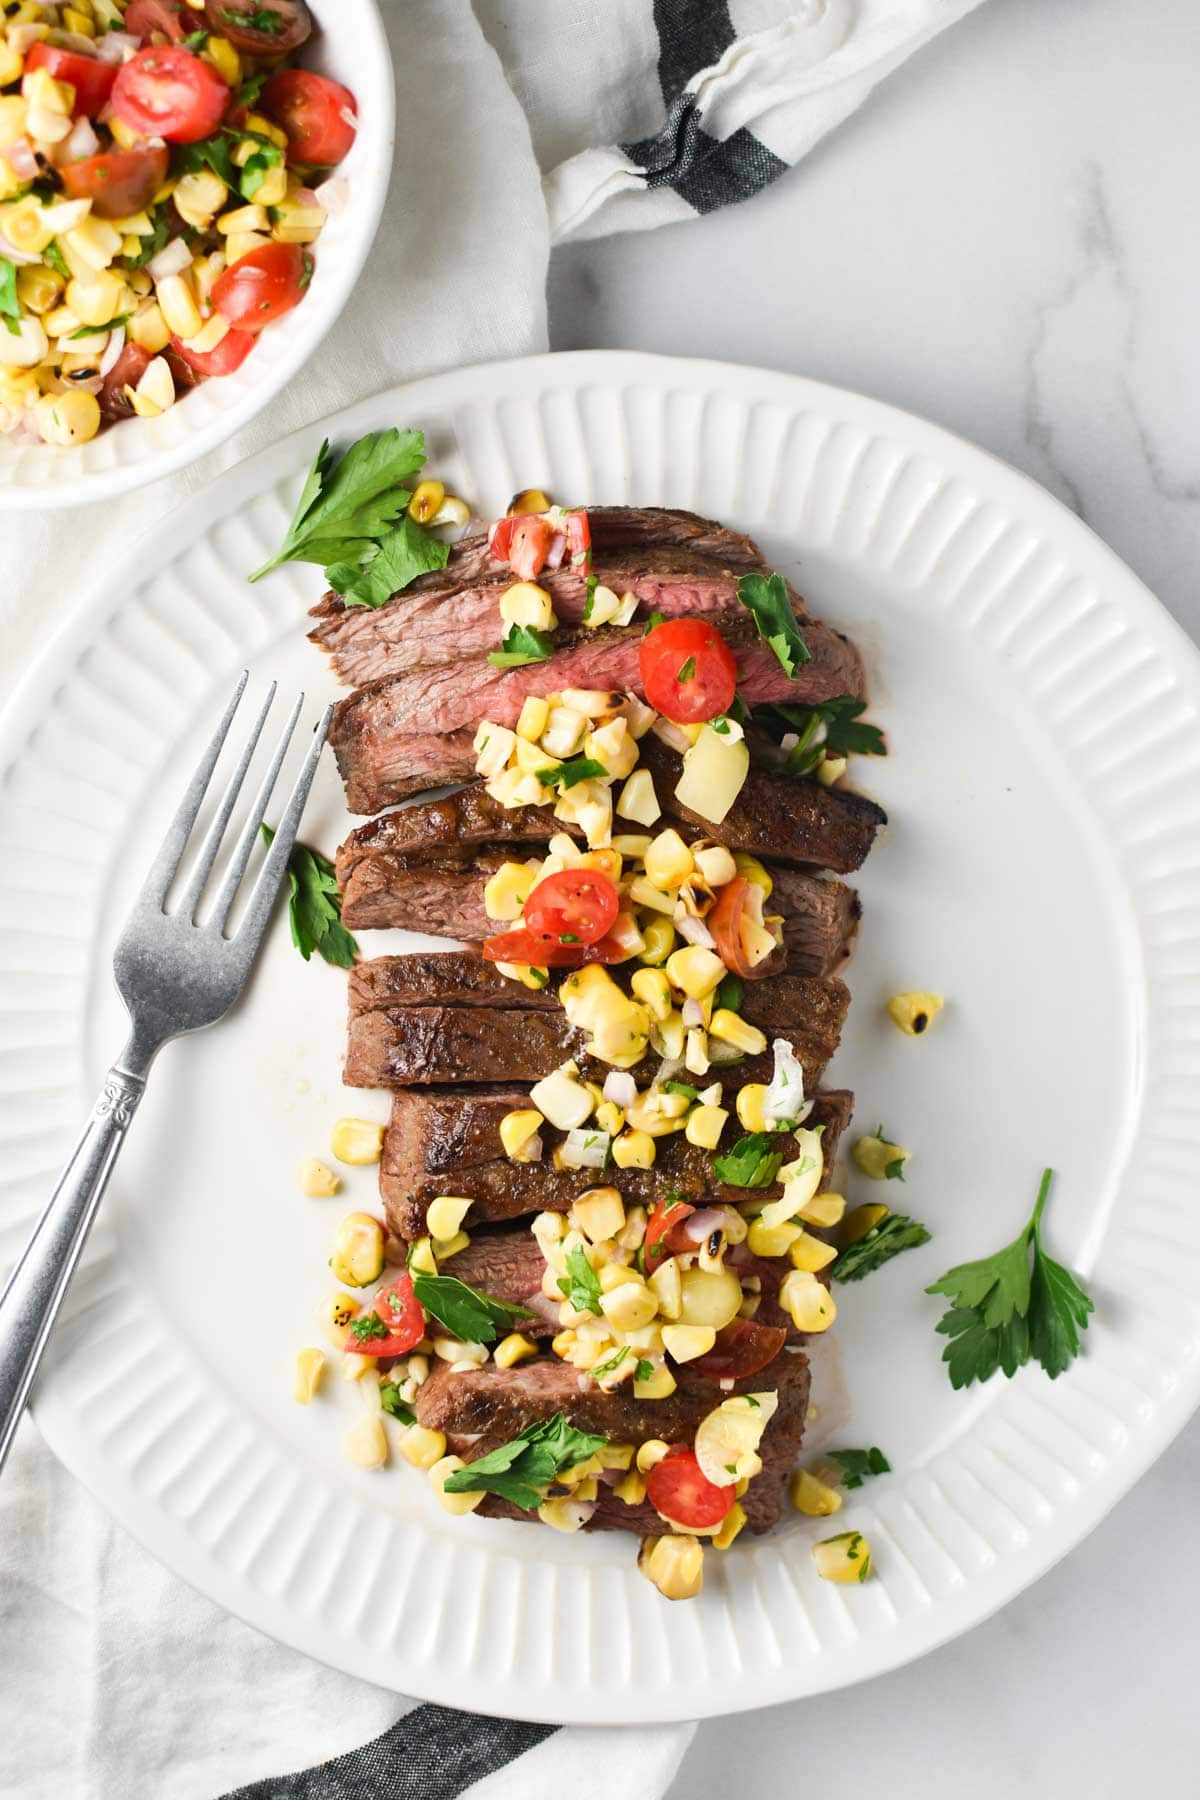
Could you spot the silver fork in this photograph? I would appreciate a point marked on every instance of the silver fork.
(174, 976)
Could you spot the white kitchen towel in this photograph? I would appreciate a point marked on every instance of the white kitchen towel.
(118, 1682)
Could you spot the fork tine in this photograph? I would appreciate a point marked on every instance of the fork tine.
(165, 865)
(246, 843)
(190, 898)
(262, 895)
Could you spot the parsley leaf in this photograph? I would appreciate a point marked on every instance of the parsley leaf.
(253, 86)
(466, 1313)
(86, 331)
(263, 18)
(195, 41)
(580, 1285)
(1004, 1310)
(315, 907)
(58, 262)
(370, 1325)
(522, 644)
(389, 1399)
(215, 153)
(774, 619)
(752, 1163)
(687, 671)
(730, 991)
(348, 503)
(579, 768)
(148, 246)
(887, 1239)
(682, 1087)
(523, 1469)
(654, 618)
(857, 1465)
(591, 583)
(610, 1363)
(644, 1370)
(10, 306)
(404, 552)
(254, 169)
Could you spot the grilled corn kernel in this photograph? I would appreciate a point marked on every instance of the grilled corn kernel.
(512, 1350)
(685, 1342)
(634, 1150)
(446, 1214)
(667, 1286)
(656, 1386)
(366, 1442)
(914, 1013)
(422, 1447)
(506, 892)
(178, 305)
(439, 1474)
(421, 1257)
(563, 1343)
(517, 1132)
(357, 1141)
(310, 1366)
(72, 418)
(426, 501)
(705, 1125)
(823, 1209)
(199, 197)
(845, 1558)
(599, 1213)
(708, 1298)
(91, 244)
(214, 331)
(243, 218)
(535, 713)
(452, 511)
(96, 298)
(659, 934)
(730, 1525)
(241, 243)
(335, 1313)
(695, 971)
(358, 1250)
(750, 1106)
(257, 122)
(631, 1488)
(879, 1158)
(730, 1029)
(74, 20)
(356, 1364)
(609, 1117)
(529, 500)
(38, 288)
(566, 1514)
(772, 1240)
(524, 603)
(859, 1220)
(148, 329)
(715, 864)
(755, 873)
(668, 861)
(811, 1253)
(616, 1274)
(810, 1305)
(830, 769)
(445, 1248)
(11, 64)
(675, 1565)
(318, 1181)
(155, 392)
(629, 1306)
(653, 989)
(638, 800)
(812, 1497)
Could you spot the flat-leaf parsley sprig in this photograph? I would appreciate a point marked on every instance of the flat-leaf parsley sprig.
(315, 906)
(1012, 1306)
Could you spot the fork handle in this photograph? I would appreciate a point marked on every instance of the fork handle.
(35, 1289)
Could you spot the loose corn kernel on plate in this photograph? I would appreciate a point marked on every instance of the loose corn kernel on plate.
(1039, 873)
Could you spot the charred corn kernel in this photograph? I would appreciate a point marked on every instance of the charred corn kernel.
(599, 1213)
(656, 1386)
(669, 1037)
(812, 1497)
(422, 1447)
(418, 1369)
(914, 1013)
(38, 287)
(335, 1313)
(517, 1132)
(534, 714)
(80, 22)
(613, 746)
(630, 1305)
(296, 224)
(243, 218)
(59, 321)
(845, 1558)
(92, 244)
(811, 1253)
(458, 1504)
(621, 1032)
(241, 243)
(529, 500)
(358, 1250)
(667, 1286)
(668, 861)
(879, 1158)
(609, 1117)
(685, 1342)
(650, 1454)
(426, 501)
(445, 1248)
(139, 282)
(859, 1220)
(199, 197)
(709, 1298)
(695, 971)
(715, 863)
(451, 1350)
(729, 1527)
(634, 1150)
(125, 136)
(810, 1305)
(512, 1350)
(631, 1488)
(830, 769)
(39, 88)
(258, 123)
(644, 893)
(653, 989)
(772, 1240)
(422, 1258)
(823, 1209)
(24, 226)
(506, 892)
(750, 1107)
(755, 873)
(566, 1514)
(674, 1564)
(310, 1366)
(65, 419)
(563, 1343)
(214, 331)
(659, 934)
(730, 1029)
(525, 603)
(528, 975)
(272, 191)
(357, 1141)
(366, 1442)
(616, 1274)
(705, 1125)
(446, 1214)
(97, 298)
(11, 64)
(178, 305)
(317, 1180)
(225, 60)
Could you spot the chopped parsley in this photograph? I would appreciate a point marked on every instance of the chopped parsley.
(522, 1470)
(315, 906)
(368, 1327)
(653, 619)
(887, 1239)
(729, 993)
(857, 1465)
(682, 1087)
(467, 1314)
(592, 583)
(254, 169)
(767, 599)
(688, 670)
(579, 768)
(580, 1285)
(644, 1370)
(392, 1404)
(522, 644)
(263, 18)
(148, 246)
(752, 1163)
(53, 255)
(10, 306)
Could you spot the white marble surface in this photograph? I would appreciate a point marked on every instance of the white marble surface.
(1004, 240)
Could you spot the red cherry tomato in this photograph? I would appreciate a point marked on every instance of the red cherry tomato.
(529, 545)
(533, 948)
(312, 111)
(91, 78)
(725, 922)
(579, 539)
(229, 354)
(164, 16)
(742, 1348)
(164, 91)
(688, 670)
(573, 906)
(127, 371)
(679, 1490)
(263, 285)
(402, 1315)
(117, 182)
(664, 1217)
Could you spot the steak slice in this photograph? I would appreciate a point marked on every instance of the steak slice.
(441, 892)
(439, 1143)
(482, 1408)
(423, 630)
(382, 734)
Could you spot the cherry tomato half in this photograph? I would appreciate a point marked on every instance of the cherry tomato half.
(579, 539)
(273, 29)
(91, 78)
(529, 545)
(165, 16)
(688, 670)
(263, 285)
(229, 354)
(164, 91)
(402, 1314)
(117, 182)
(741, 1348)
(679, 1490)
(664, 1217)
(534, 949)
(574, 906)
(312, 111)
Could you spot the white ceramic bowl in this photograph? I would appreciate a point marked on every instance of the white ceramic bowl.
(350, 45)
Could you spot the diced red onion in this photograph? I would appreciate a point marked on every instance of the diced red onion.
(113, 349)
(672, 735)
(695, 931)
(115, 46)
(20, 257)
(306, 197)
(81, 142)
(172, 259)
(350, 117)
(533, 1149)
(620, 1087)
(333, 196)
(543, 1306)
(89, 384)
(21, 160)
(702, 1224)
(693, 1013)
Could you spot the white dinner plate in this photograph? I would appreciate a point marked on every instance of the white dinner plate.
(1041, 869)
